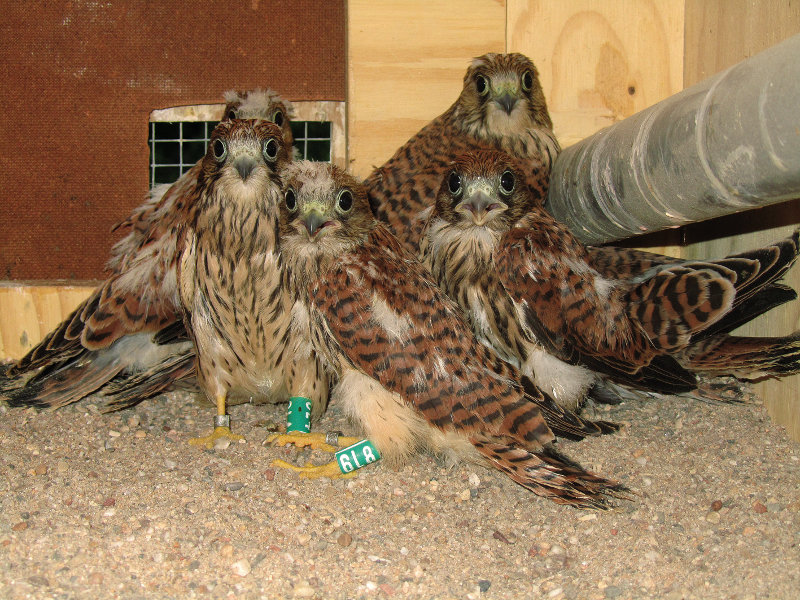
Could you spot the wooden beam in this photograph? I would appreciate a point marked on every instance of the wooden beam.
(29, 312)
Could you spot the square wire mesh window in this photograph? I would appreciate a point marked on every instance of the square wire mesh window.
(313, 139)
(176, 146)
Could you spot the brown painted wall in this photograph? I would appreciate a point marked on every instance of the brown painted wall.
(78, 81)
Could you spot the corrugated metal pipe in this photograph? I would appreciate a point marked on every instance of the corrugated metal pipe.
(727, 144)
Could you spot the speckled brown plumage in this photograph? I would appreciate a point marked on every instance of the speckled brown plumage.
(229, 272)
(532, 293)
(410, 370)
(107, 344)
(501, 106)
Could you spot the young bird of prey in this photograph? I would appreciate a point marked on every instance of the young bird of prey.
(127, 340)
(501, 106)
(409, 369)
(229, 273)
(536, 295)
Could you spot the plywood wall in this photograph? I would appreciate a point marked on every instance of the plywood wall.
(406, 63)
(29, 312)
(599, 62)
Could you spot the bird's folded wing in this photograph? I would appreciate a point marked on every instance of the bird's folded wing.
(578, 316)
(394, 324)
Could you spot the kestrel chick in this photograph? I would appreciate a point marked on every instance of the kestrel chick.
(229, 273)
(532, 292)
(127, 340)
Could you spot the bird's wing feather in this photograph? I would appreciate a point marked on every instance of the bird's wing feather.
(187, 247)
(615, 262)
(578, 315)
(397, 327)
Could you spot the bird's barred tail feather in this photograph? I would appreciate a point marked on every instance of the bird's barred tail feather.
(9, 382)
(549, 475)
(68, 383)
(746, 357)
(129, 389)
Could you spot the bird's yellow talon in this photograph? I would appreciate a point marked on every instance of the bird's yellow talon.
(330, 470)
(218, 433)
(314, 440)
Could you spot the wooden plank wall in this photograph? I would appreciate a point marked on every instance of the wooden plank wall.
(29, 312)
(406, 62)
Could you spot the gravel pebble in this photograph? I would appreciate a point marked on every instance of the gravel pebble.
(38, 581)
(221, 443)
(241, 567)
(303, 590)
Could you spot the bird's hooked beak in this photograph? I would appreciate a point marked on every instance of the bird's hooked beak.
(507, 101)
(480, 204)
(314, 219)
(244, 165)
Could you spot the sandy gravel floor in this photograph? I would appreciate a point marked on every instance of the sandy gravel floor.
(119, 506)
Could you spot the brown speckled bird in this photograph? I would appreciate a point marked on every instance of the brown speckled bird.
(229, 274)
(536, 295)
(127, 340)
(501, 106)
(409, 369)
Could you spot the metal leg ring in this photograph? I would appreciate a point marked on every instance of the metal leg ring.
(332, 438)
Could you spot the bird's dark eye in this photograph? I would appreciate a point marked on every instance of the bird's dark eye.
(527, 81)
(454, 183)
(232, 113)
(345, 201)
(507, 182)
(220, 150)
(481, 84)
(270, 150)
(291, 201)
(277, 118)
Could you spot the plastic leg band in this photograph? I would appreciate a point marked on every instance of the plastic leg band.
(356, 456)
(299, 418)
